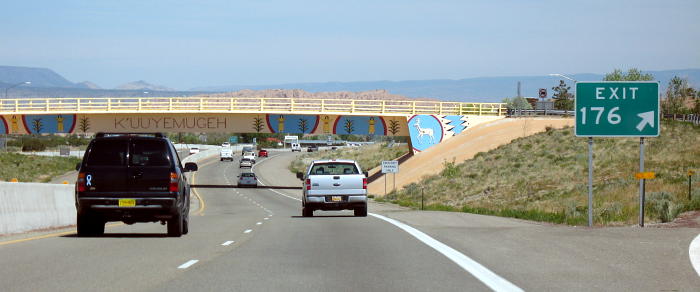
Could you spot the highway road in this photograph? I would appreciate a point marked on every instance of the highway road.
(256, 240)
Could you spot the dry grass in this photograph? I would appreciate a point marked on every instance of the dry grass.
(544, 177)
(34, 168)
(368, 157)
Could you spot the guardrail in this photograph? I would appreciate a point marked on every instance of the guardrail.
(690, 118)
(244, 105)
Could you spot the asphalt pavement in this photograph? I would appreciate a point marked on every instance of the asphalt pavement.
(256, 240)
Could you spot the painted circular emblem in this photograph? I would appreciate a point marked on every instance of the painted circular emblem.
(357, 125)
(292, 124)
(425, 131)
(44, 124)
(3, 126)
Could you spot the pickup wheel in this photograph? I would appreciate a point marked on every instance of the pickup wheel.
(307, 212)
(175, 226)
(361, 211)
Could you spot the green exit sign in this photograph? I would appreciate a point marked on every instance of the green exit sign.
(617, 109)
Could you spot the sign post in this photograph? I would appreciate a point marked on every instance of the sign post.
(617, 109)
(391, 166)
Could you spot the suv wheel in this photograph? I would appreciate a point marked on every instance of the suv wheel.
(186, 224)
(175, 226)
(361, 211)
(307, 212)
(90, 226)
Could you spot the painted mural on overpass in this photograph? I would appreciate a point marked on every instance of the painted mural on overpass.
(425, 131)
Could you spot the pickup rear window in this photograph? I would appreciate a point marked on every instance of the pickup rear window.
(334, 168)
(107, 153)
(149, 153)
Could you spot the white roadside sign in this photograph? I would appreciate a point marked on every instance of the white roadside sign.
(391, 166)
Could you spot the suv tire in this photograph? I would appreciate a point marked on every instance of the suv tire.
(307, 212)
(175, 226)
(89, 226)
(361, 211)
(186, 224)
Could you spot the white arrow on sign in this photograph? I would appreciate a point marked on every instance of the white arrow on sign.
(647, 118)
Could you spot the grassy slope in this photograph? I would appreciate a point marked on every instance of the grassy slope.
(31, 168)
(544, 177)
(367, 156)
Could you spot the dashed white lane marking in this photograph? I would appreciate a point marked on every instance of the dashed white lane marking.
(227, 243)
(484, 275)
(266, 218)
(188, 264)
(259, 223)
(248, 231)
(694, 254)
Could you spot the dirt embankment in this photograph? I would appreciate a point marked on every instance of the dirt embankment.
(464, 146)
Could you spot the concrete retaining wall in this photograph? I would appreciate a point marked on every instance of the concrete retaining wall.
(30, 206)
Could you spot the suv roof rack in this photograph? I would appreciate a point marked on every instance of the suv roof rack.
(103, 134)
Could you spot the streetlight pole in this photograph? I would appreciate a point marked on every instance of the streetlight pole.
(15, 85)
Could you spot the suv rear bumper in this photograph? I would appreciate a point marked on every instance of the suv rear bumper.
(325, 203)
(146, 209)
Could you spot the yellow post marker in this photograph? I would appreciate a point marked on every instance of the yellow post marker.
(65, 182)
(645, 175)
(14, 179)
(691, 172)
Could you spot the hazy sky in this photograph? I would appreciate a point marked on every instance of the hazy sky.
(183, 44)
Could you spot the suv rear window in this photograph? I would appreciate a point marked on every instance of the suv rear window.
(149, 153)
(107, 153)
(334, 168)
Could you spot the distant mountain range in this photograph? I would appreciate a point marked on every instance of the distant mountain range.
(46, 82)
(482, 89)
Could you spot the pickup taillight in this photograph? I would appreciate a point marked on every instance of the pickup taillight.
(364, 183)
(81, 182)
(174, 182)
(308, 184)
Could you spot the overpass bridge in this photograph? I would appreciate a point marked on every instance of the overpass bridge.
(427, 123)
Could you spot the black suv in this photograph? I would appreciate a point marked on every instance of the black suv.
(132, 178)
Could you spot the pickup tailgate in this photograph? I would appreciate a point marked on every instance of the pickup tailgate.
(346, 184)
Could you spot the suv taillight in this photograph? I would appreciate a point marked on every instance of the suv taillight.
(81, 182)
(364, 183)
(174, 182)
(308, 184)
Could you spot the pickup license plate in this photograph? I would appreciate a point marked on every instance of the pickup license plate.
(336, 199)
(127, 203)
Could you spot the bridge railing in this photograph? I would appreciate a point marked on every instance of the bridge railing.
(254, 105)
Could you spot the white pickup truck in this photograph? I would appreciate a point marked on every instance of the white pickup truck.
(334, 185)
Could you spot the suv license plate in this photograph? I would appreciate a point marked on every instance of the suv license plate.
(127, 203)
(336, 198)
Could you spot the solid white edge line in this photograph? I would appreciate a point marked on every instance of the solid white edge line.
(484, 275)
(227, 243)
(694, 254)
(188, 264)
(248, 231)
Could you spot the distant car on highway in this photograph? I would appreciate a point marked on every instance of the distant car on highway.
(312, 148)
(334, 185)
(226, 144)
(132, 178)
(247, 179)
(245, 162)
(246, 149)
(296, 147)
(226, 153)
(249, 155)
(194, 150)
(262, 153)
